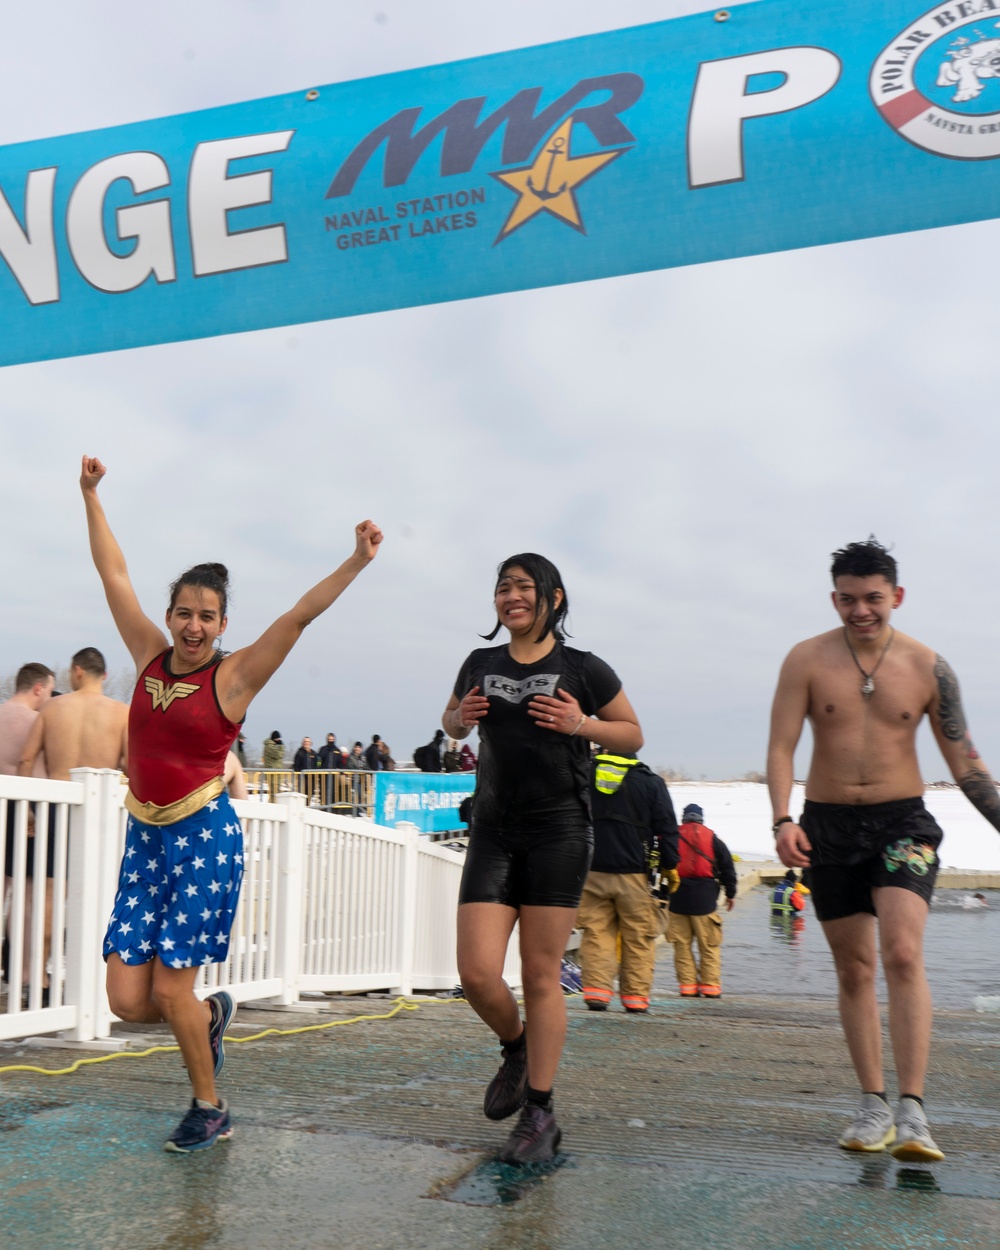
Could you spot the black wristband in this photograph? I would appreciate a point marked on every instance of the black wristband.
(782, 820)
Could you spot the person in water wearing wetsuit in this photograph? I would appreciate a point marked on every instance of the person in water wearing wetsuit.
(183, 864)
(538, 705)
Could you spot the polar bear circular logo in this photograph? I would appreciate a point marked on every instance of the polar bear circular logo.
(938, 82)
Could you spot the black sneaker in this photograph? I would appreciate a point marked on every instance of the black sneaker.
(202, 1127)
(535, 1138)
(505, 1093)
(223, 1009)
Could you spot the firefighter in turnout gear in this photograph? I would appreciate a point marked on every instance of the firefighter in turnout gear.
(705, 865)
(635, 848)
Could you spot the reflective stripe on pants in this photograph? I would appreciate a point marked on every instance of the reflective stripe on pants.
(613, 905)
(682, 931)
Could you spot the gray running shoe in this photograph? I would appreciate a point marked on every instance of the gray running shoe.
(506, 1092)
(535, 1138)
(872, 1128)
(914, 1143)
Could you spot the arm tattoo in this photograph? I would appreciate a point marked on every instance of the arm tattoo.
(950, 713)
(981, 791)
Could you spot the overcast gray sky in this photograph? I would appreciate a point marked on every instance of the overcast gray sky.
(688, 446)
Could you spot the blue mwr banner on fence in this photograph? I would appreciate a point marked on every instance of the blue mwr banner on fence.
(759, 128)
(428, 800)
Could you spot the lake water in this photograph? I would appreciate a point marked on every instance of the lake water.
(776, 959)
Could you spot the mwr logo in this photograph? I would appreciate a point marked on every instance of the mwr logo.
(938, 82)
(536, 148)
(515, 691)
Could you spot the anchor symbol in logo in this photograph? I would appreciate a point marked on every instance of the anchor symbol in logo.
(558, 143)
(542, 188)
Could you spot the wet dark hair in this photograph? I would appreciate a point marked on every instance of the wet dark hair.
(91, 661)
(867, 559)
(204, 577)
(548, 580)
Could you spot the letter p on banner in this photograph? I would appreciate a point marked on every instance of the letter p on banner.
(721, 103)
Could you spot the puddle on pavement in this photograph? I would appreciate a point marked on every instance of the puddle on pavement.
(495, 1184)
(884, 1173)
(919, 1179)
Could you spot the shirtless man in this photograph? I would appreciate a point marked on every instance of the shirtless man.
(32, 690)
(84, 729)
(865, 838)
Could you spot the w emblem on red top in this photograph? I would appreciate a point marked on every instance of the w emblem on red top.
(163, 696)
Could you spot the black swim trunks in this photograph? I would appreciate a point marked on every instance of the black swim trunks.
(860, 848)
(527, 867)
(33, 845)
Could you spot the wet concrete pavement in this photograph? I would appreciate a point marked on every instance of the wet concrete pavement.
(705, 1124)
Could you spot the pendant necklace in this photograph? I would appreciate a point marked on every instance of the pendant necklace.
(868, 687)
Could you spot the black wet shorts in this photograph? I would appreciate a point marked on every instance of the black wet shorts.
(8, 865)
(860, 848)
(518, 868)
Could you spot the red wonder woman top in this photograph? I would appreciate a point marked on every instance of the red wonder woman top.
(178, 739)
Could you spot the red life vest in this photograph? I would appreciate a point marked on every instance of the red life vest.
(697, 859)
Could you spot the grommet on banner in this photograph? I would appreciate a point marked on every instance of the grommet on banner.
(314, 94)
(723, 15)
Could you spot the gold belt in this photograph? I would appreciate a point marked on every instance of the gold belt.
(153, 814)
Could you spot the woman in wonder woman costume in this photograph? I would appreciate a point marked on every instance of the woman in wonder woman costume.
(183, 864)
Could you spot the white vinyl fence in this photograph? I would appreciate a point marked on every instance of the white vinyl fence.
(329, 902)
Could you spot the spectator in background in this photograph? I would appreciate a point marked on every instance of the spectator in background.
(274, 751)
(240, 749)
(273, 757)
(306, 760)
(428, 758)
(305, 757)
(373, 756)
(385, 756)
(357, 762)
(331, 757)
(451, 761)
(468, 757)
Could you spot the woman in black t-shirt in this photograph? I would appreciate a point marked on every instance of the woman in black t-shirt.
(538, 705)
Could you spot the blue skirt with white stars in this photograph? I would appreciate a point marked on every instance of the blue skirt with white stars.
(178, 889)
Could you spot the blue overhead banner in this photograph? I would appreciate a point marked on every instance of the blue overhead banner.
(428, 800)
(760, 128)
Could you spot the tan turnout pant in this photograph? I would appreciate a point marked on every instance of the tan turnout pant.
(682, 931)
(613, 905)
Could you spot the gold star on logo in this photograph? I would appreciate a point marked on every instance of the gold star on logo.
(548, 185)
